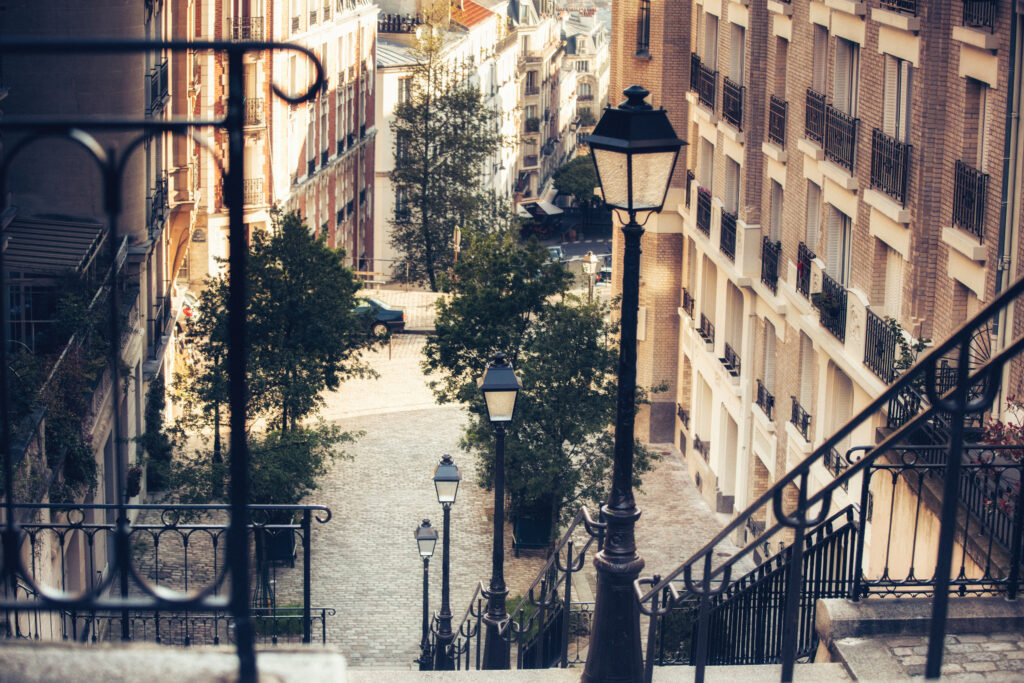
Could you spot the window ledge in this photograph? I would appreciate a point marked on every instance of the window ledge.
(849, 6)
(643, 54)
(976, 37)
(965, 244)
(903, 22)
(886, 206)
(783, 8)
(773, 152)
(811, 149)
(731, 131)
(838, 175)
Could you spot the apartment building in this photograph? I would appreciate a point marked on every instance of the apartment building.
(586, 51)
(849, 164)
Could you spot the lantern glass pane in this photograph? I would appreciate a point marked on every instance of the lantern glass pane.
(614, 175)
(427, 546)
(500, 405)
(446, 490)
(651, 174)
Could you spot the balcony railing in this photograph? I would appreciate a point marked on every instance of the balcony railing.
(327, 12)
(324, 156)
(731, 360)
(159, 87)
(831, 305)
(706, 330)
(907, 6)
(836, 464)
(158, 203)
(770, 252)
(703, 81)
(890, 160)
(253, 111)
(970, 191)
(252, 191)
(532, 90)
(688, 302)
(732, 103)
(311, 167)
(295, 24)
(880, 346)
(702, 447)
(765, 400)
(981, 13)
(246, 28)
(814, 117)
(683, 415)
(777, 110)
(396, 23)
(801, 419)
(530, 160)
(704, 211)
(804, 256)
(312, 17)
(840, 137)
(689, 185)
(727, 243)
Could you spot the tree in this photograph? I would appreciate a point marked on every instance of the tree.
(578, 178)
(444, 134)
(559, 449)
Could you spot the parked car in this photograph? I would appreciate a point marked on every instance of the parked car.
(379, 319)
(555, 254)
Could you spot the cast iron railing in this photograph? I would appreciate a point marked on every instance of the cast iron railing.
(295, 25)
(765, 400)
(704, 211)
(732, 103)
(840, 137)
(880, 346)
(981, 13)
(890, 160)
(771, 250)
(108, 592)
(731, 360)
(159, 205)
(704, 83)
(804, 256)
(908, 6)
(800, 419)
(727, 238)
(396, 23)
(643, 28)
(253, 111)
(831, 304)
(689, 185)
(684, 416)
(777, 110)
(970, 192)
(313, 17)
(706, 330)
(688, 302)
(814, 117)
(252, 191)
(246, 28)
(158, 84)
(835, 463)
(702, 447)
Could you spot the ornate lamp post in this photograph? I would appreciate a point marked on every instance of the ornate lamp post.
(426, 539)
(446, 482)
(635, 150)
(500, 387)
(589, 268)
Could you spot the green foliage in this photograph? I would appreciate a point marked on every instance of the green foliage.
(909, 349)
(587, 118)
(155, 441)
(444, 131)
(578, 178)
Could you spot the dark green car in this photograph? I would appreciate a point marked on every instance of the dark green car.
(379, 319)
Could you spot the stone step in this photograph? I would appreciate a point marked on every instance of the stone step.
(662, 674)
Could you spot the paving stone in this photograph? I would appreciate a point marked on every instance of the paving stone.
(980, 666)
(998, 646)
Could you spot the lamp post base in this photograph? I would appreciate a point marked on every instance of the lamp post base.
(497, 650)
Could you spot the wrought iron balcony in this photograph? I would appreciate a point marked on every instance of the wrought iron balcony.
(727, 243)
(312, 17)
(836, 463)
(907, 6)
(311, 167)
(981, 13)
(252, 191)
(327, 12)
(253, 111)
(732, 103)
(840, 137)
(970, 192)
(771, 250)
(731, 360)
(880, 346)
(324, 156)
(804, 256)
(704, 211)
(801, 419)
(831, 305)
(246, 28)
(396, 23)
(706, 330)
(703, 81)
(814, 117)
(683, 415)
(702, 447)
(158, 203)
(777, 110)
(890, 160)
(158, 83)
(295, 25)
(765, 400)
(532, 90)
(688, 302)
(689, 185)
(530, 160)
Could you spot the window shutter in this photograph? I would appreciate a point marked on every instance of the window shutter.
(903, 114)
(893, 283)
(834, 245)
(711, 42)
(890, 95)
(820, 58)
(732, 185)
(841, 81)
(769, 356)
(813, 228)
(846, 232)
(736, 50)
(775, 228)
(709, 286)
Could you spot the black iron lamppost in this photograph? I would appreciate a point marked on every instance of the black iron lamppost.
(589, 268)
(426, 539)
(446, 482)
(635, 150)
(500, 387)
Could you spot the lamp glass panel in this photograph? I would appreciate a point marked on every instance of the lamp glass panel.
(427, 546)
(651, 174)
(500, 405)
(613, 170)
(446, 490)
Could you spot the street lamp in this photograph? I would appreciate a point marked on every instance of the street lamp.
(426, 539)
(635, 150)
(590, 267)
(500, 388)
(446, 483)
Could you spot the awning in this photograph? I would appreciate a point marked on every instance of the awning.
(548, 208)
(51, 246)
(522, 212)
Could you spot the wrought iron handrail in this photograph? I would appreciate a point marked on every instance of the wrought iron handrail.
(727, 238)
(765, 400)
(704, 210)
(981, 13)
(970, 192)
(890, 160)
(732, 102)
(777, 110)
(957, 402)
(771, 251)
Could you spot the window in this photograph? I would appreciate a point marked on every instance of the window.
(896, 98)
(837, 261)
(583, 67)
(706, 165)
(531, 111)
(401, 204)
(710, 56)
(732, 185)
(775, 224)
(643, 28)
(813, 226)
(768, 364)
(806, 372)
(893, 283)
(781, 59)
(583, 91)
(975, 110)
(404, 90)
(844, 90)
(401, 147)
(820, 67)
(736, 49)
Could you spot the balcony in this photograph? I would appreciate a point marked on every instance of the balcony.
(981, 13)
(880, 346)
(530, 161)
(396, 23)
(777, 120)
(840, 137)
(312, 17)
(970, 190)
(310, 167)
(706, 329)
(890, 160)
(905, 6)
(295, 25)
(765, 400)
(532, 90)
(157, 82)
(688, 302)
(801, 419)
(246, 28)
(584, 98)
(702, 447)
(770, 252)
(703, 81)
(158, 204)
(704, 211)
(836, 464)
(831, 305)
(253, 111)
(731, 360)
(727, 242)
(324, 155)
(814, 117)
(683, 415)
(252, 191)
(732, 103)
(327, 12)
(804, 256)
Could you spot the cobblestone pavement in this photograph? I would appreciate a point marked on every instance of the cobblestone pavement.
(967, 657)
